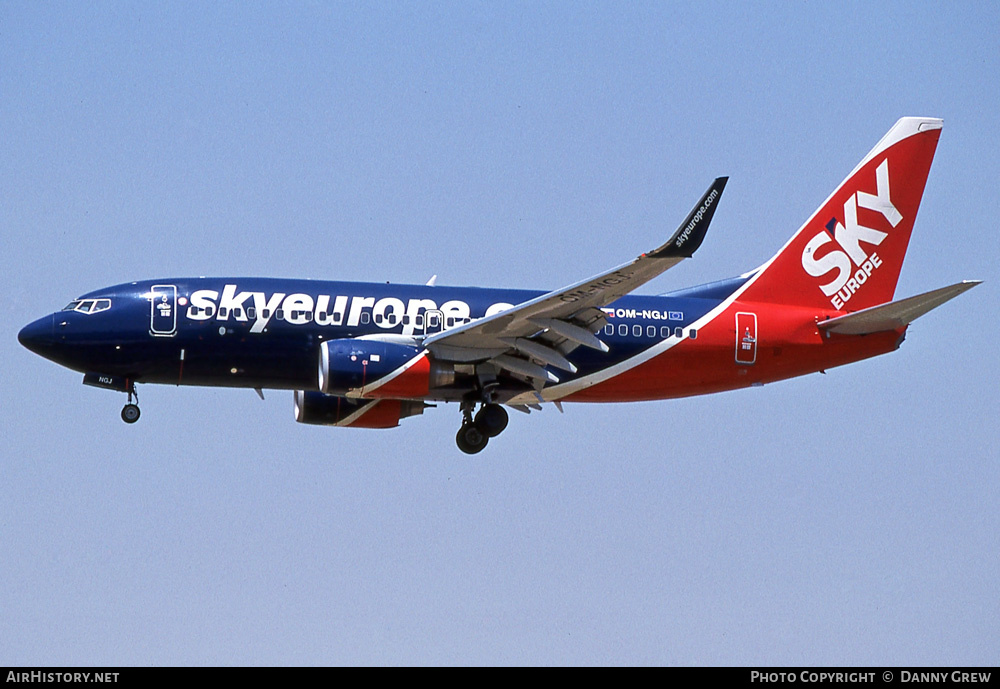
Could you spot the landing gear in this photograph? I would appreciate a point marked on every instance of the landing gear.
(470, 439)
(492, 419)
(475, 433)
(130, 412)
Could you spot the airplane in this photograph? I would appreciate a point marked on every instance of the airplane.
(367, 355)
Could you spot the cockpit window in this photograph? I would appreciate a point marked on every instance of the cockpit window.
(88, 305)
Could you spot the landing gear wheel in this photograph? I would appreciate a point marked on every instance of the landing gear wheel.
(471, 439)
(492, 420)
(130, 413)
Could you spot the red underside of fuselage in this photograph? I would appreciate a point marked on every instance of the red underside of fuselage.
(788, 343)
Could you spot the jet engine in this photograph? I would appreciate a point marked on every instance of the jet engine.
(331, 410)
(372, 368)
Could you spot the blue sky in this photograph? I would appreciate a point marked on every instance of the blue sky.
(840, 519)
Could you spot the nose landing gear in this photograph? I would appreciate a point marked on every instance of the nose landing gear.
(476, 433)
(130, 412)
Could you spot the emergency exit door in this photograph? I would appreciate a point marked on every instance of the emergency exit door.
(746, 338)
(163, 310)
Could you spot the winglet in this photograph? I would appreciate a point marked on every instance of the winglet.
(691, 233)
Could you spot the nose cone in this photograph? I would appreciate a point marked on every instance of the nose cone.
(39, 336)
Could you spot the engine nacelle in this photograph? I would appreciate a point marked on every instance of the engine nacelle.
(377, 369)
(331, 410)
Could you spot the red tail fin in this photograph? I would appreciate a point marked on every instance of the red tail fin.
(849, 253)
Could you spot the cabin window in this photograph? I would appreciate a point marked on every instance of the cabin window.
(623, 330)
(378, 318)
(665, 331)
(279, 315)
(650, 331)
(419, 320)
(609, 329)
(679, 332)
(406, 320)
(222, 311)
(308, 315)
(636, 331)
(251, 313)
(338, 317)
(366, 317)
(692, 333)
(450, 321)
(237, 313)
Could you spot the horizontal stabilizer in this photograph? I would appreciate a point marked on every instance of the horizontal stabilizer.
(894, 315)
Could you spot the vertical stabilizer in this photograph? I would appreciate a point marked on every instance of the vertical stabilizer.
(848, 255)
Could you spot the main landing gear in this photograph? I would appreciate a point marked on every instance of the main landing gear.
(130, 412)
(488, 423)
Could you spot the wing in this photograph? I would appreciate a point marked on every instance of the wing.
(540, 332)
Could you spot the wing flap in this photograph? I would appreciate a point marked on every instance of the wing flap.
(571, 332)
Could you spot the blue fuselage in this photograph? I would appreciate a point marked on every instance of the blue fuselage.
(266, 332)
